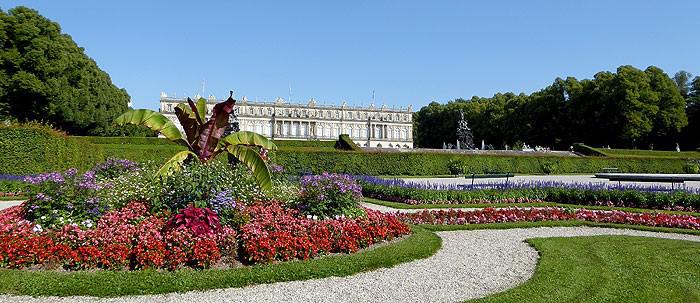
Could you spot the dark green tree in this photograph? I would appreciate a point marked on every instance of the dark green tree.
(627, 108)
(671, 116)
(682, 81)
(46, 76)
(691, 133)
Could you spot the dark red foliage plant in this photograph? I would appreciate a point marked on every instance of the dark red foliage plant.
(200, 221)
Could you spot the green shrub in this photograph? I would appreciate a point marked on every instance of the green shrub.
(345, 143)
(692, 167)
(14, 186)
(304, 143)
(416, 163)
(35, 148)
(158, 153)
(125, 140)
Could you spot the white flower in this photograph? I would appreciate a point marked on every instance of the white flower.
(308, 216)
(43, 217)
(37, 228)
(315, 217)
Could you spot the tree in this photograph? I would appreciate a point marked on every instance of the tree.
(46, 76)
(682, 81)
(691, 133)
(626, 108)
(671, 117)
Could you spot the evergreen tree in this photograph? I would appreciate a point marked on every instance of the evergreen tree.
(46, 76)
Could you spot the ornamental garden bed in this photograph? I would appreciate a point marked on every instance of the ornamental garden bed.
(551, 214)
(625, 195)
(118, 216)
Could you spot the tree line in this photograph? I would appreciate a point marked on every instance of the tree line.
(45, 76)
(628, 108)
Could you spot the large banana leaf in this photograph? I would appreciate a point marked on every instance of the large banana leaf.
(202, 109)
(188, 120)
(175, 163)
(212, 131)
(254, 162)
(193, 107)
(155, 121)
(250, 139)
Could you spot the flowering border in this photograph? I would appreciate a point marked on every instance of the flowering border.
(539, 214)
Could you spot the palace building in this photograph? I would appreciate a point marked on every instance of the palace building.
(370, 126)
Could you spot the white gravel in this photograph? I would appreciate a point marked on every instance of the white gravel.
(470, 264)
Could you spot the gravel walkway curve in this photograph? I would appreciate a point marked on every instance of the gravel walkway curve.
(470, 264)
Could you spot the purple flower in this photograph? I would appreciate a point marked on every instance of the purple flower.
(42, 197)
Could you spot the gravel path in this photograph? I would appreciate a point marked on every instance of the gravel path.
(470, 264)
(8, 204)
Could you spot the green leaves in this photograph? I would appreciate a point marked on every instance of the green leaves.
(175, 163)
(251, 158)
(155, 121)
(249, 139)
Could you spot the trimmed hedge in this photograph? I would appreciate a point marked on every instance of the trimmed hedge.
(345, 143)
(304, 143)
(141, 153)
(416, 163)
(35, 148)
(125, 140)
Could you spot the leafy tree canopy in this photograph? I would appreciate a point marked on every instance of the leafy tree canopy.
(626, 108)
(46, 76)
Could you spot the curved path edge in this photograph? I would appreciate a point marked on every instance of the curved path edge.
(471, 264)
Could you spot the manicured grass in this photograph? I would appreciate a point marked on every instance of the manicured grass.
(15, 198)
(638, 153)
(420, 244)
(399, 205)
(610, 269)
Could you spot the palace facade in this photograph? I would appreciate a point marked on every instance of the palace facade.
(370, 126)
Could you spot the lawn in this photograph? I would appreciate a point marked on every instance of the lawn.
(421, 244)
(610, 269)
(638, 153)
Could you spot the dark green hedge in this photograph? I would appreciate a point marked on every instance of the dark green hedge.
(304, 143)
(141, 153)
(414, 163)
(34, 148)
(345, 143)
(125, 140)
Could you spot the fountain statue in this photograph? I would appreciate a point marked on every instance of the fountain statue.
(465, 138)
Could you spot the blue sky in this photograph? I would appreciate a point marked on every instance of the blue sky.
(408, 52)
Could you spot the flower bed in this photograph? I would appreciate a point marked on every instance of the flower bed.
(134, 238)
(516, 214)
(119, 215)
(651, 197)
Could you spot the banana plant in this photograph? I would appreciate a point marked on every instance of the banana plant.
(203, 138)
